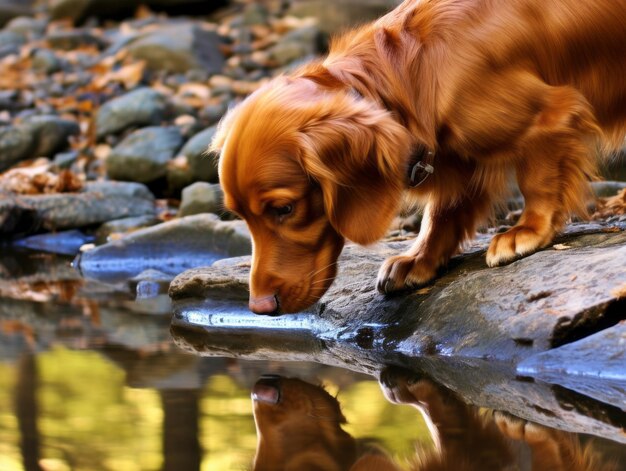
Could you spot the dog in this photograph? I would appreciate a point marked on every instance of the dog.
(444, 101)
(299, 427)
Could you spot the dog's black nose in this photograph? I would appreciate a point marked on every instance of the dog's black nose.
(267, 389)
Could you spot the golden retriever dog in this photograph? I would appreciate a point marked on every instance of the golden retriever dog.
(443, 101)
(299, 428)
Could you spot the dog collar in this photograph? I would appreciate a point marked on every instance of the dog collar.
(420, 166)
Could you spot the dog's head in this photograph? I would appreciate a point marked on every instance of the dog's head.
(299, 427)
(308, 167)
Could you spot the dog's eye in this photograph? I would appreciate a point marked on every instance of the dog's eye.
(283, 210)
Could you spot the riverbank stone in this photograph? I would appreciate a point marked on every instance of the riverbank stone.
(179, 48)
(141, 107)
(201, 197)
(143, 155)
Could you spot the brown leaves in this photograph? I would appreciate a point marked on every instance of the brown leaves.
(39, 180)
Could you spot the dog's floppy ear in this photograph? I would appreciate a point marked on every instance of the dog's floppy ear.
(357, 152)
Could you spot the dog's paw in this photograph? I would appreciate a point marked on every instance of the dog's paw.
(515, 243)
(403, 272)
(519, 429)
(405, 387)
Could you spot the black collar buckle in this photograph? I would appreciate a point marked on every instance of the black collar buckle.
(421, 169)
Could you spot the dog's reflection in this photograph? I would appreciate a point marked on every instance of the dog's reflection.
(299, 428)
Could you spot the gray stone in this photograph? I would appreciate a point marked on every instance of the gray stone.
(202, 164)
(46, 61)
(72, 9)
(73, 39)
(27, 26)
(287, 51)
(506, 313)
(467, 330)
(607, 188)
(16, 144)
(123, 226)
(179, 48)
(11, 39)
(334, 17)
(201, 197)
(213, 113)
(255, 14)
(63, 242)
(587, 366)
(95, 204)
(51, 134)
(140, 107)
(10, 9)
(65, 160)
(9, 50)
(143, 155)
(170, 247)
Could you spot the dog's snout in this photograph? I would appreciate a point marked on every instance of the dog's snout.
(267, 389)
(264, 304)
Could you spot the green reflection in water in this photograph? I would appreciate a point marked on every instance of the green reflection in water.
(10, 457)
(89, 420)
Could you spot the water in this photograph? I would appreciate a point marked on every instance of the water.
(91, 379)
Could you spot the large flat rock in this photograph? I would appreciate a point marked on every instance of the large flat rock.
(469, 330)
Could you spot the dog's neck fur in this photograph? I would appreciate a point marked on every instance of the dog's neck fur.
(373, 66)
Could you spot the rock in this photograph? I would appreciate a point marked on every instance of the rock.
(10, 9)
(64, 242)
(179, 48)
(16, 144)
(587, 365)
(334, 17)
(202, 164)
(467, 331)
(65, 160)
(123, 226)
(46, 61)
(95, 204)
(72, 9)
(9, 50)
(213, 113)
(140, 107)
(144, 154)
(30, 28)
(11, 39)
(255, 14)
(170, 247)
(51, 134)
(607, 188)
(201, 197)
(471, 311)
(150, 283)
(74, 39)
(285, 52)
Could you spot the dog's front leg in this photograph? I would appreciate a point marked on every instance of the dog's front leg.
(443, 229)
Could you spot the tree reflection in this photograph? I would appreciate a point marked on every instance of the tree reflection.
(27, 411)
(181, 448)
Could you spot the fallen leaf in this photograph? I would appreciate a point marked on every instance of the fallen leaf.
(561, 247)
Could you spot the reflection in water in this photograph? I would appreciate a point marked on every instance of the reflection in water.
(299, 427)
(90, 380)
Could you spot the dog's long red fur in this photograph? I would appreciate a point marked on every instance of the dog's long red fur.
(530, 89)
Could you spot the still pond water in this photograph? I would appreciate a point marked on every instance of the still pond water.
(91, 379)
